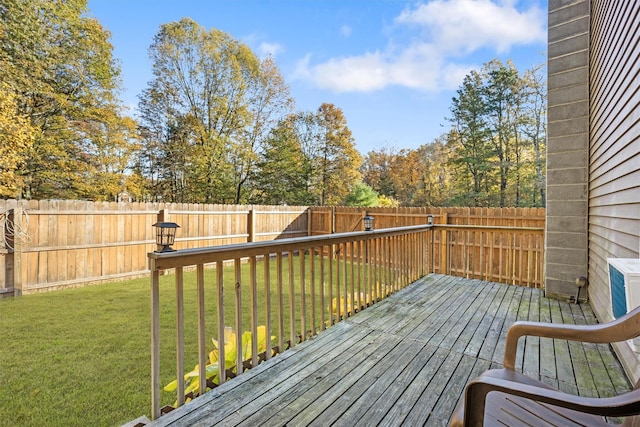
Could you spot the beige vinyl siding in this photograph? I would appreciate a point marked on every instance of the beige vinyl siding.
(614, 149)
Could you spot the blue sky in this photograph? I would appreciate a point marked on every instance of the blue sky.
(392, 66)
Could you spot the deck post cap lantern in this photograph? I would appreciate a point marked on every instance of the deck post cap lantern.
(430, 219)
(165, 235)
(368, 223)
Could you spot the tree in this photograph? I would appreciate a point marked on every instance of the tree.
(58, 63)
(336, 167)
(377, 170)
(469, 139)
(361, 195)
(434, 186)
(535, 128)
(268, 102)
(229, 99)
(410, 177)
(496, 140)
(283, 170)
(502, 96)
(17, 135)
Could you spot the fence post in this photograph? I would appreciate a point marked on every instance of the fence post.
(14, 216)
(309, 225)
(250, 226)
(443, 245)
(333, 219)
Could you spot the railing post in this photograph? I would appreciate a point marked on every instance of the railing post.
(155, 340)
(443, 245)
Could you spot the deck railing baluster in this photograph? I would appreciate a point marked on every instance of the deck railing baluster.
(292, 302)
(322, 300)
(267, 297)
(238, 289)
(303, 299)
(254, 311)
(312, 289)
(180, 335)
(202, 349)
(280, 302)
(220, 297)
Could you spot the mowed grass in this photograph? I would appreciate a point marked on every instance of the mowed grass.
(82, 356)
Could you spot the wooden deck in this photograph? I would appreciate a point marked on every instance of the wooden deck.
(406, 360)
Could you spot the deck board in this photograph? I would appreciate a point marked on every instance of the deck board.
(406, 360)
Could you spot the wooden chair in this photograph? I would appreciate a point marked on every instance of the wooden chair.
(506, 397)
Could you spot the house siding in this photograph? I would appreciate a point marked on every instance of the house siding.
(614, 150)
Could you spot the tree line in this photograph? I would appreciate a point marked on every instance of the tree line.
(493, 155)
(217, 124)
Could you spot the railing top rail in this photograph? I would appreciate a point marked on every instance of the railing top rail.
(473, 227)
(195, 256)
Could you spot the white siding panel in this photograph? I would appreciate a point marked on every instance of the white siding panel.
(614, 173)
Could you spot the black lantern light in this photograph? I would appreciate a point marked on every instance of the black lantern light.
(165, 235)
(430, 219)
(368, 223)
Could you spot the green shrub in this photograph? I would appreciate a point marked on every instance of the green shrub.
(192, 379)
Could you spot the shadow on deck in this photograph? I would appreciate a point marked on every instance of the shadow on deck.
(405, 361)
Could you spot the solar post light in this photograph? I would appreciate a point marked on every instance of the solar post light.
(165, 235)
(368, 223)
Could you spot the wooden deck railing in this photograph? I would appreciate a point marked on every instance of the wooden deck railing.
(513, 255)
(297, 287)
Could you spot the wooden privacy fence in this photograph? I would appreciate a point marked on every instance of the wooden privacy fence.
(51, 244)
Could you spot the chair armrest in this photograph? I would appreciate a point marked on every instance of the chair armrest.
(621, 329)
(477, 390)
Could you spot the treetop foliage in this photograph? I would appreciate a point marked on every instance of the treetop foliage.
(217, 124)
(493, 154)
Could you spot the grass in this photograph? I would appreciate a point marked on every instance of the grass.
(82, 356)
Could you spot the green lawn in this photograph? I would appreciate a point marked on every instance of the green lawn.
(82, 356)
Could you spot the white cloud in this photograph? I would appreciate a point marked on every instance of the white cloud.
(466, 25)
(445, 31)
(345, 30)
(358, 73)
(266, 49)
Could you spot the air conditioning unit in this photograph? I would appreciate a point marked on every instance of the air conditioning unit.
(624, 280)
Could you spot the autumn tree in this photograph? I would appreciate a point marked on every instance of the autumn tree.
(17, 135)
(222, 100)
(58, 63)
(417, 177)
(495, 141)
(503, 96)
(268, 102)
(284, 169)
(377, 170)
(336, 161)
(469, 139)
(535, 129)
(434, 183)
